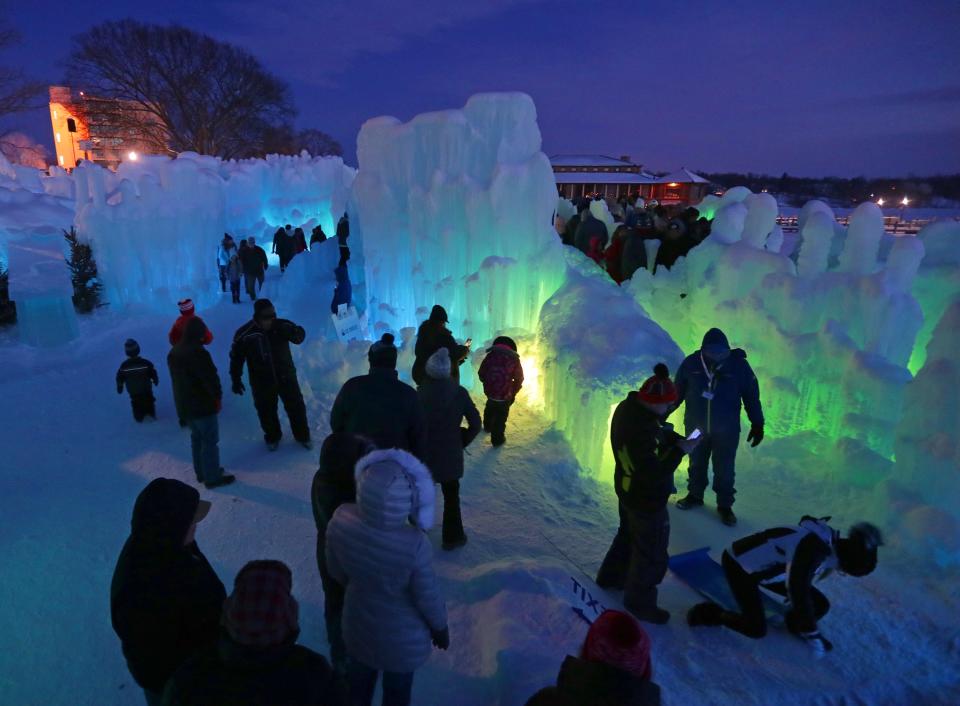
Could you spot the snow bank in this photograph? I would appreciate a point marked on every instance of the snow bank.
(155, 224)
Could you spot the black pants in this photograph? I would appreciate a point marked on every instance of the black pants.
(223, 278)
(452, 520)
(333, 594)
(265, 399)
(143, 406)
(752, 618)
(495, 415)
(235, 291)
(637, 558)
(250, 284)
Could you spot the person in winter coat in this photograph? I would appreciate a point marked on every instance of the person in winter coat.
(165, 598)
(253, 259)
(137, 374)
(786, 561)
(433, 334)
(343, 229)
(334, 485)
(646, 455)
(257, 660)
(317, 235)
(234, 273)
(379, 406)
(283, 245)
(613, 255)
(198, 395)
(299, 241)
(187, 312)
(379, 551)
(502, 376)
(445, 405)
(343, 292)
(225, 250)
(713, 383)
(613, 668)
(635, 246)
(264, 345)
(591, 234)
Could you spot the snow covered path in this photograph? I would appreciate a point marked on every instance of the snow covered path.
(73, 462)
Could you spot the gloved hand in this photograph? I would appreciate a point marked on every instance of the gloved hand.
(818, 644)
(756, 435)
(238, 388)
(441, 639)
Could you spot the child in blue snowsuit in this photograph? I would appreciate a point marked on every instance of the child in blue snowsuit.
(137, 374)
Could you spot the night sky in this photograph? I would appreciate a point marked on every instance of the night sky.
(809, 88)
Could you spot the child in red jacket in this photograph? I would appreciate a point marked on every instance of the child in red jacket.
(502, 377)
(187, 312)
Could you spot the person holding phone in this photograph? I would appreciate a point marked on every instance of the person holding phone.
(433, 335)
(646, 455)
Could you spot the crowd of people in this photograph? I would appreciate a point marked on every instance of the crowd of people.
(374, 498)
(638, 228)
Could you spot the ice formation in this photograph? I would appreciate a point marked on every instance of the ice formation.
(40, 285)
(152, 254)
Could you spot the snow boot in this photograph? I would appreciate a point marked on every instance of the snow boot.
(225, 479)
(273, 445)
(727, 516)
(708, 614)
(653, 614)
(689, 502)
(451, 544)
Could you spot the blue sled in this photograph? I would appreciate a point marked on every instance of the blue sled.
(706, 577)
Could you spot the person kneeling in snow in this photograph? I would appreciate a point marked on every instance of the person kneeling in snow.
(786, 561)
(379, 551)
(646, 456)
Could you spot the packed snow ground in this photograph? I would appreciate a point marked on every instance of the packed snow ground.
(74, 460)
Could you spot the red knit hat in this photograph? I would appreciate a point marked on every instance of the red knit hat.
(261, 612)
(186, 306)
(658, 389)
(615, 638)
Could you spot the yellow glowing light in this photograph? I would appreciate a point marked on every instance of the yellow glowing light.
(61, 159)
(531, 381)
(132, 156)
(906, 201)
(58, 137)
(54, 115)
(673, 183)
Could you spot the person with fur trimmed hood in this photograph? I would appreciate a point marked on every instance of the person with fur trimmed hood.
(785, 562)
(646, 455)
(165, 598)
(379, 551)
(502, 376)
(257, 660)
(334, 485)
(446, 404)
(379, 405)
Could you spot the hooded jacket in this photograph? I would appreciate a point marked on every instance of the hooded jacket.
(731, 384)
(379, 550)
(646, 455)
(232, 674)
(196, 384)
(598, 684)
(445, 405)
(266, 353)
(431, 336)
(591, 231)
(225, 249)
(253, 259)
(501, 373)
(165, 598)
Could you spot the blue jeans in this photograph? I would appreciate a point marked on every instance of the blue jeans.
(363, 681)
(723, 449)
(204, 437)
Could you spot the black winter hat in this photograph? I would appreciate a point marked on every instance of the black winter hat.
(857, 553)
(131, 348)
(505, 341)
(260, 306)
(383, 353)
(438, 313)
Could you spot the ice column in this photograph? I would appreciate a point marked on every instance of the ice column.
(40, 285)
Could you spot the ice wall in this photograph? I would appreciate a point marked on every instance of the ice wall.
(830, 346)
(40, 285)
(155, 224)
(938, 280)
(455, 208)
(595, 345)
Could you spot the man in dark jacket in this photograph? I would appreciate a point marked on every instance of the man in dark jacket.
(433, 334)
(253, 258)
(343, 229)
(264, 345)
(165, 599)
(379, 406)
(713, 383)
(197, 394)
(257, 660)
(283, 246)
(334, 485)
(786, 561)
(343, 292)
(445, 405)
(591, 234)
(138, 374)
(646, 455)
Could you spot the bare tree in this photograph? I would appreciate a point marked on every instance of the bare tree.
(17, 93)
(21, 149)
(284, 140)
(179, 88)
